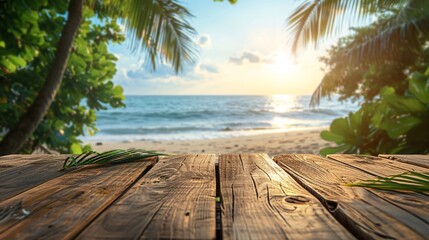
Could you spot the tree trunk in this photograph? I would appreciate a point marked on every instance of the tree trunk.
(18, 136)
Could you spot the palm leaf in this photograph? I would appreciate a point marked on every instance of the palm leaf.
(159, 28)
(315, 20)
(317, 95)
(325, 89)
(408, 181)
(109, 157)
(406, 28)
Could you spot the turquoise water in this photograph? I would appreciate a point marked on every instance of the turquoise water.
(205, 117)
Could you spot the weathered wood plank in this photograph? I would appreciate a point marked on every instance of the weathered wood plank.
(62, 207)
(415, 159)
(260, 201)
(175, 199)
(368, 213)
(38, 169)
(376, 165)
(415, 203)
(16, 160)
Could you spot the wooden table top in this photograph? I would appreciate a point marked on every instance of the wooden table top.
(230, 196)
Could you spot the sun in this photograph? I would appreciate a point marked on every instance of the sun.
(283, 64)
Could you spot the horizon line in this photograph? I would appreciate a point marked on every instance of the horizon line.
(226, 95)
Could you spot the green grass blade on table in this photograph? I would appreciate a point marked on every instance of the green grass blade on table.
(408, 181)
(109, 157)
(71, 161)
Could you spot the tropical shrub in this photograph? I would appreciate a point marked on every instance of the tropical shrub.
(158, 28)
(391, 123)
(363, 80)
(87, 85)
(20, 33)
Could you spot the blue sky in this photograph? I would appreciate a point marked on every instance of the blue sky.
(244, 50)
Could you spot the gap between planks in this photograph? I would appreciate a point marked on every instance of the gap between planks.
(63, 206)
(261, 201)
(382, 167)
(368, 213)
(414, 159)
(175, 199)
(272, 190)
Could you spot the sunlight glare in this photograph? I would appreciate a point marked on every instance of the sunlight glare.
(283, 64)
(282, 103)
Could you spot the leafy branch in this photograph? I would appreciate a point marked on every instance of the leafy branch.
(109, 157)
(408, 181)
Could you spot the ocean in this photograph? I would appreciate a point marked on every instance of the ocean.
(208, 117)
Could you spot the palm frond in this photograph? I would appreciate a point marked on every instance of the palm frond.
(408, 181)
(407, 28)
(109, 157)
(159, 28)
(325, 87)
(315, 20)
(317, 95)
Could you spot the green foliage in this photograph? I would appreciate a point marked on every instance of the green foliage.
(365, 79)
(381, 65)
(30, 30)
(168, 35)
(20, 34)
(315, 20)
(86, 87)
(409, 181)
(419, 86)
(392, 123)
(109, 157)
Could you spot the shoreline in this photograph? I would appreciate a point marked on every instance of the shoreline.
(306, 141)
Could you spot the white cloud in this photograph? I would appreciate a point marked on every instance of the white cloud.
(209, 68)
(251, 57)
(145, 73)
(164, 73)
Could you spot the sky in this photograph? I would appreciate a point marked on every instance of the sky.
(244, 49)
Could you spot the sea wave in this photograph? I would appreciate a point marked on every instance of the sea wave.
(188, 115)
(195, 117)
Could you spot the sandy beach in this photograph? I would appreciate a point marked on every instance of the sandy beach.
(300, 141)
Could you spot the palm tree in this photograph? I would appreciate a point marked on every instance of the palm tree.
(404, 23)
(158, 28)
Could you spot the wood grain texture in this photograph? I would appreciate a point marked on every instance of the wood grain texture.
(370, 214)
(62, 207)
(16, 160)
(376, 166)
(414, 159)
(37, 170)
(260, 201)
(175, 199)
(415, 203)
